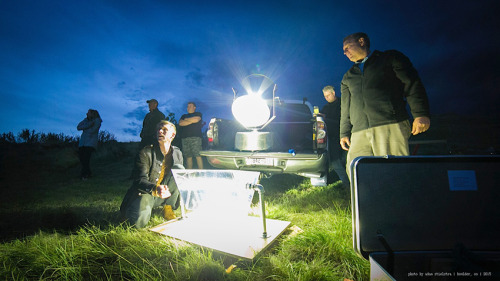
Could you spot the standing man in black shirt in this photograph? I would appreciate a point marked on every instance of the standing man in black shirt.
(191, 124)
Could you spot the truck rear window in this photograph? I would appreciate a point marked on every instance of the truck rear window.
(292, 113)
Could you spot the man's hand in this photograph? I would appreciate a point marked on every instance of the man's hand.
(162, 191)
(345, 143)
(420, 125)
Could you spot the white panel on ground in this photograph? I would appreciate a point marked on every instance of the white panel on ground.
(215, 213)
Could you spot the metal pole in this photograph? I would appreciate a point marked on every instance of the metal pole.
(260, 190)
(183, 210)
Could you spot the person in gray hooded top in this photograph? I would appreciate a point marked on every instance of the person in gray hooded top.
(88, 141)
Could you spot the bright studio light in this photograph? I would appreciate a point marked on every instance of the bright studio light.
(251, 111)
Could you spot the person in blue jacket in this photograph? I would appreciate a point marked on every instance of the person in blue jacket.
(88, 141)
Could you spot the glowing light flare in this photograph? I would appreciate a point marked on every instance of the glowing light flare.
(257, 84)
(251, 111)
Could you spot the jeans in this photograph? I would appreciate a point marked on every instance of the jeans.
(338, 160)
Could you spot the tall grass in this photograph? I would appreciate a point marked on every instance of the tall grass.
(57, 227)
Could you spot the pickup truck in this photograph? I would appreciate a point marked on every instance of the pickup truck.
(295, 142)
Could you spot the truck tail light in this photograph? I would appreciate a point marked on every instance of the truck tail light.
(210, 136)
(321, 133)
(212, 132)
(321, 137)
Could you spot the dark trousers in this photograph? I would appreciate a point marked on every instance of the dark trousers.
(137, 207)
(84, 152)
(338, 158)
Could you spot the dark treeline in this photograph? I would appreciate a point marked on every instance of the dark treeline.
(32, 137)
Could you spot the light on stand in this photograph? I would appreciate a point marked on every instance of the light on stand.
(251, 111)
(254, 113)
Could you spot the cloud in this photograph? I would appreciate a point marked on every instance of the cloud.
(136, 114)
(133, 130)
(195, 78)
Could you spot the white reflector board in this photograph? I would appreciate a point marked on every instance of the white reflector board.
(215, 206)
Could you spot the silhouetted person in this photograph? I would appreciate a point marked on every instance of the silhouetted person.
(148, 132)
(332, 118)
(88, 141)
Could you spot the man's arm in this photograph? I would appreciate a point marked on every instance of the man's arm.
(345, 119)
(414, 92)
(185, 121)
(189, 120)
(85, 124)
(143, 165)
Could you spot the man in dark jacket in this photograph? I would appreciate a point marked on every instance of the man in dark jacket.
(154, 184)
(332, 118)
(148, 132)
(374, 94)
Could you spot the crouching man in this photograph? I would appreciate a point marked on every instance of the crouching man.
(154, 184)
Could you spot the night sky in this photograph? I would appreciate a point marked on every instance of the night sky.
(60, 58)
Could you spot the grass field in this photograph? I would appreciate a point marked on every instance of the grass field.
(54, 226)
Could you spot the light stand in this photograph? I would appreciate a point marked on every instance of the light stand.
(260, 189)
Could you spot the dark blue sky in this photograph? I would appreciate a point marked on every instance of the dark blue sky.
(60, 58)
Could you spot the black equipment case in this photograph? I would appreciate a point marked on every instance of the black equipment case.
(427, 217)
